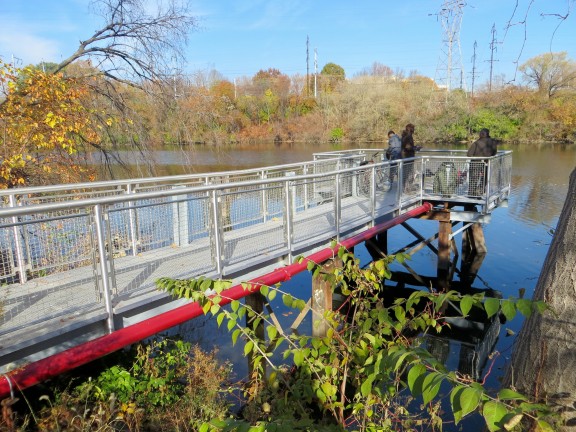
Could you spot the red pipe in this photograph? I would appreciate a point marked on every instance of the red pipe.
(34, 373)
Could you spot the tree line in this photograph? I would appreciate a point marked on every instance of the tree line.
(104, 99)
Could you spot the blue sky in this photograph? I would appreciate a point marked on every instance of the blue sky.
(240, 37)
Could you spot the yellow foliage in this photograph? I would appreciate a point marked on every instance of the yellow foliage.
(42, 114)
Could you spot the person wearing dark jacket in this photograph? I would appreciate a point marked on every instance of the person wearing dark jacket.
(484, 146)
(408, 151)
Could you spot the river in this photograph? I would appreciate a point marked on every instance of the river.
(517, 237)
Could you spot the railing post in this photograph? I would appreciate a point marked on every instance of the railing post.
(217, 232)
(288, 230)
(102, 256)
(337, 206)
(179, 219)
(400, 187)
(17, 244)
(263, 176)
(133, 221)
(373, 194)
(487, 190)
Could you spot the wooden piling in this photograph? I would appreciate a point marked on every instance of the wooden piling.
(255, 305)
(444, 247)
(322, 297)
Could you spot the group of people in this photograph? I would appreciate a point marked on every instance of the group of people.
(401, 147)
(485, 146)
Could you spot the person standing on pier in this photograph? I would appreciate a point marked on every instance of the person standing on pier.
(408, 151)
(394, 146)
(484, 146)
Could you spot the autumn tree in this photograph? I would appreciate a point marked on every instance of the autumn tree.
(377, 70)
(330, 76)
(137, 46)
(550, 72)
(44, 122)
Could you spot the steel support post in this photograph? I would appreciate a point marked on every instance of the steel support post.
(21, 264)
(103, 257)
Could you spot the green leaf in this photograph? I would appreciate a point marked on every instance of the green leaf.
(525, 307)
(431, 386)
(507, 394)
(466, 304)
(219, 319)
(416, 376)
(287, 299)
(464, 400)
(544, 426)
(231, 324)
(298, 357)
(272, 295)
(234, 304)
(493, 413)
(400, 360)
(492, 306)
(248, 347)
(206, 307)
(264, 290)
(509, 309)
(235, 335)
(272, 332)
(541, 306)
(366, 387)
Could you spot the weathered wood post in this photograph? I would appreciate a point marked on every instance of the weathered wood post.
(444, 247)
(322, 297)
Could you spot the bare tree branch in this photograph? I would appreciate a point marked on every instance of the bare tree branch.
(135, 44)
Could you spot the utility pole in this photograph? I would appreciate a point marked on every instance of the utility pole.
(315, 73)
(474, 67)
(307, 67)
(450, 60)
(492, 49)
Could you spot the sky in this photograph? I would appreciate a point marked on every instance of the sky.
(240, 37)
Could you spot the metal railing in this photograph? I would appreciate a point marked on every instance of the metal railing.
(72, 249)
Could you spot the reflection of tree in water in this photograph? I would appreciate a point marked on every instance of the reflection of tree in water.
(535, 200)
(540, 182)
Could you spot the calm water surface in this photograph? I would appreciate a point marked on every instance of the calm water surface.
(517, 237)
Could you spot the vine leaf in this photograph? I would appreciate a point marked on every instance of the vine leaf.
(431, 386)
(492, 306)
(493, 413)
(464, 400)
(416, 376)
(466, 304)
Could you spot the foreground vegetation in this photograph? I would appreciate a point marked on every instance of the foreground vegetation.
(370, 372)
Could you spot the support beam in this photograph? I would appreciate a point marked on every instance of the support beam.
(377, 246)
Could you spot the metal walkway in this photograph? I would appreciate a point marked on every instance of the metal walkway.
(80, 261)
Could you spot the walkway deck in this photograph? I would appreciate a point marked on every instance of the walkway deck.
(81, 261)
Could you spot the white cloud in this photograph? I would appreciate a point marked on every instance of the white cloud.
(27, 48)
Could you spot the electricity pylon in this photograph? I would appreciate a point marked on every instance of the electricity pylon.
(450, 72)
